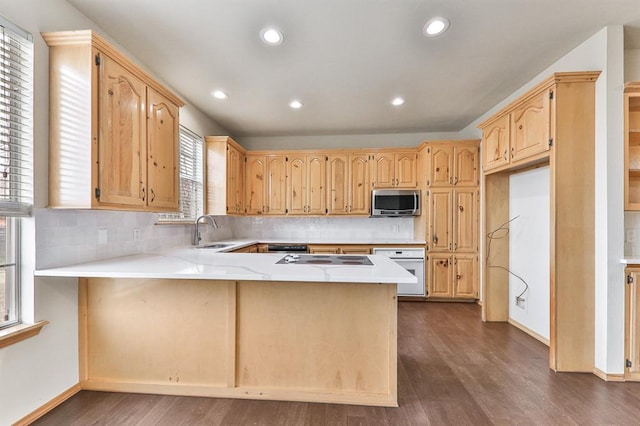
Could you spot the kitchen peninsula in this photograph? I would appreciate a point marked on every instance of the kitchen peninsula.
(196, 322)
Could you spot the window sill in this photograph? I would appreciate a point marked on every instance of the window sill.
(19, 333)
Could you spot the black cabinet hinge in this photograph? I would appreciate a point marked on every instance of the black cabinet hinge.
(629, 279)
(286, 211)
(551, 142)
(551, 95)
(628, 363)
(97, 192)
(326, 211)
(97, 59)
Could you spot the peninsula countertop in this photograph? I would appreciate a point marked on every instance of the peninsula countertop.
(204, 264)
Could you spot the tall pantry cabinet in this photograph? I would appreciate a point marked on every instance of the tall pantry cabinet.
(452, 217)
(114, 130)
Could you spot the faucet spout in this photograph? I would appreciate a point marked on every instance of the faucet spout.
(196, 231)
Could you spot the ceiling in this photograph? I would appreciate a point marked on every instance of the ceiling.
(346, 59)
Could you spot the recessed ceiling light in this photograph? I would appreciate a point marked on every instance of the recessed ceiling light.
(271, 36)
(435, 26)
(219, 94)
(397, 101)
(295, 104)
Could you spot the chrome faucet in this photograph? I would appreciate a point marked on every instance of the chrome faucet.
(196, 233)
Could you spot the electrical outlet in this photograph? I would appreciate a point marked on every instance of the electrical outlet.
(631, 236)
(520, 302)
(396, 228)
(102, 236)
(136, 234)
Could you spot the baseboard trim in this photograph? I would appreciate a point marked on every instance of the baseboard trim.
(530, 332)
(608, 377)
(44, 409)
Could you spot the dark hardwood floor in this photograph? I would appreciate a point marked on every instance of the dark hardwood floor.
(452, 370)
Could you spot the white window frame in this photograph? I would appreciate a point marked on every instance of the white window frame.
(16, 157)
(191, 170)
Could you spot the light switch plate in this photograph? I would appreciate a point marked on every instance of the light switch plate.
(630, 235)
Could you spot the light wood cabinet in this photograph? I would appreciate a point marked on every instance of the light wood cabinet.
(452, 276)
(441, 219)
(495, 143)
(394, 170)
(265, 190)
(336, 249)
(571, 120)
(525, 130)
(348, 184)
(453, 219)
(113, 129)
(632, 146)
(530, 124)
(453, 164)
(632, 325)
(249, 249)
(306, 184)
(224, 176)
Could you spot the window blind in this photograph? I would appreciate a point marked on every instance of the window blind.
(16, 121)
(191, 178)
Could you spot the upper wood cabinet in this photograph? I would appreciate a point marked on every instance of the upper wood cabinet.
(454, 163)
(632, 146)
(348, 183)
(521, 133)
(265, 191)
(113, 129)
(453, 219)
(306, 184)
(530, 126)
(224, 176)
(394, 170)
(495, 143)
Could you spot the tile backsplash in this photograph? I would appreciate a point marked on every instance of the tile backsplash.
(632, 223)
(65, 237)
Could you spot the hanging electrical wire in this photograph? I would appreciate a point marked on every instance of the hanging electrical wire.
(499, 233)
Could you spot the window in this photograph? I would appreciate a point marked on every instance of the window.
(191, 179)
(16, 153)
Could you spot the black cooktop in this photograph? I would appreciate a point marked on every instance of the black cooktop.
(325, 259)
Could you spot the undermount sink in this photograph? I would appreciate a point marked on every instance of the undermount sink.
(215, 246)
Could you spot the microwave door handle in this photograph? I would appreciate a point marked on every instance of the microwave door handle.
(415, 202)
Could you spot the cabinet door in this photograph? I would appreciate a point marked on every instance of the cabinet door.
(233, 170)
(466, 172)
(296, 184)
(316, 184)
(495, 143)
(441, 166)
(406, 167)
(324, 249)
(255, 185)
(122, 140)
(338, 184)
(465, 220)
(383, 171)
(632, 147)
(465, 277)
(242, 158)
(632, 325)
(276, 185)
(530, 124)
(163, 154)
(355, 250)
(440, 274)
(440, 219)
(360, 188)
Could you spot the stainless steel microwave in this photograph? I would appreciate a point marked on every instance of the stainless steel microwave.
(395, 202)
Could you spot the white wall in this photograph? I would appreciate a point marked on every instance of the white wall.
(631, 65)
(36, 370)
(603, 51)
(529, 248)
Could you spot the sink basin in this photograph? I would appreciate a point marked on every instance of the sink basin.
(215, 246)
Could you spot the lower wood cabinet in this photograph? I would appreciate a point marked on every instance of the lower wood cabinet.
(333, 249)
(452, 276)
(632, 325)
(248, 249)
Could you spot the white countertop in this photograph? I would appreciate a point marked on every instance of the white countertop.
(239, 243)
(193, 263)
(631, 260)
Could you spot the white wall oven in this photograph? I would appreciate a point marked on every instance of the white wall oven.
(411, 259)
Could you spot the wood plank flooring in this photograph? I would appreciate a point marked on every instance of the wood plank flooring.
(452, 370)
